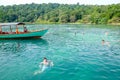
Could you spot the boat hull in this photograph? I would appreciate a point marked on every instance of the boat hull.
(34, 34)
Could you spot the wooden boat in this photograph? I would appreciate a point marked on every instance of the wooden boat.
(16, 33)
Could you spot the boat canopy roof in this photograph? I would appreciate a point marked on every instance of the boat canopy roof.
(12, 24)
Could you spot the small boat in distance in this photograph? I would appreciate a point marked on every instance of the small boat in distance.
(14, 32)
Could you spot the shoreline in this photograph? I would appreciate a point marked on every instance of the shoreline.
(115, 24)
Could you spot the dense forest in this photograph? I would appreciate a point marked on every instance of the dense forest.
(61, 13)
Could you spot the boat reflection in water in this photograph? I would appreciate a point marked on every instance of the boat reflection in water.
(21, 45)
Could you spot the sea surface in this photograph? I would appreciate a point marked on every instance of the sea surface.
(76, 51)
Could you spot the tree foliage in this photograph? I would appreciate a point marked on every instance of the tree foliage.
(61, 13)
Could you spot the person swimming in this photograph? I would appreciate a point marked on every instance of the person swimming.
(45, 64)
(106, 33)
(45, 61)
(105, 43)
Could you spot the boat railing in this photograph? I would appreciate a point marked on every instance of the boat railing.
(21, 32)
(12, 33)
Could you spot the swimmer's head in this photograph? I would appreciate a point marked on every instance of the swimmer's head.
(103, 41)
(45, 58)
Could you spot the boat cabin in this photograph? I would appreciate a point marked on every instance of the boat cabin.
(13, 28)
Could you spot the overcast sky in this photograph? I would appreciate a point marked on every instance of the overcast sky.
(99, 2)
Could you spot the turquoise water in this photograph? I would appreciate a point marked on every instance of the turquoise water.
(75, 50)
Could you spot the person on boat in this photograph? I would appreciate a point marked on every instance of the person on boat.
(17, 31)
(25, 29)
(0, 30)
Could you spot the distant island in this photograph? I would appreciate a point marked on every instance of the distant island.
(61, 13)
